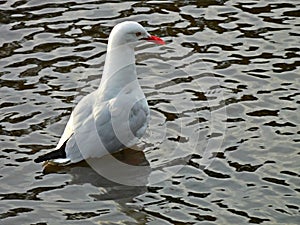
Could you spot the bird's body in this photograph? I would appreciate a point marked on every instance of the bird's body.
(115, 115)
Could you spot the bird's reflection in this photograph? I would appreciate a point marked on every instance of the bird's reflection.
(135, 174)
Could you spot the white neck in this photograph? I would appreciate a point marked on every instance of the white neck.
(117, 58)
(119, 69)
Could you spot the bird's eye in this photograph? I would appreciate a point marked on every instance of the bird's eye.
(138, 34)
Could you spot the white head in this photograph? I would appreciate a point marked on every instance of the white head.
(129, 33)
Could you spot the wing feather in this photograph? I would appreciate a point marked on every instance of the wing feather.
(98, 127)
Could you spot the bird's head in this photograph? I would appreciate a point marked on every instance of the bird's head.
(130, 32)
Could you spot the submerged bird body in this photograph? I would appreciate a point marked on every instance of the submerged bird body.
(115, 115)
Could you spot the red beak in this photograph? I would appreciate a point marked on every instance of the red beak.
(156, 40)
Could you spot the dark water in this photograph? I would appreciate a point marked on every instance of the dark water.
(223, 144)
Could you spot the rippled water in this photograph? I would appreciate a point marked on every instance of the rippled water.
(223, 143)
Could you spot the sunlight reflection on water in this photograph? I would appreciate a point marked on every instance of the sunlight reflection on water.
(225, 89)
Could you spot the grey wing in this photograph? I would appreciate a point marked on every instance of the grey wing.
(123, 129)
(94, 135)
(100, 128)
(139, 118)
(106, 130)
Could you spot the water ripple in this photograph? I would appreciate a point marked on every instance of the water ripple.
(224, 99)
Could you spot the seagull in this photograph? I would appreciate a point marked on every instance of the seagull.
(115, 115)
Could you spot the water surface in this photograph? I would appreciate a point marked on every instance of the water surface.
(223, 143)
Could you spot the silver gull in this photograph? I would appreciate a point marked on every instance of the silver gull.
(115, 115)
